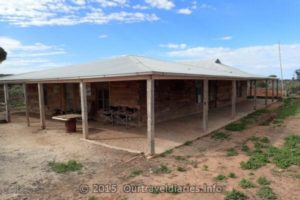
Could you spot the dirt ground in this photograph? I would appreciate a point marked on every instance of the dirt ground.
(25, 153)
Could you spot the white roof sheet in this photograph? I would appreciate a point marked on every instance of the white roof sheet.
(132, 66)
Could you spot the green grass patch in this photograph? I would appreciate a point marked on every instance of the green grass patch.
(263, 181)
(245, 148)
(235, 195)
(291, 107)
(255, 161)
(162, 169)
(245, 183)
(236, 126)
(60, 167)
(232, 175)
(136, 173)
(181, 169)
(220, 136)
(263, 153)
(168, 152)
(287, 155)
(253, 117)
(220, 177)
(266, 193)
(232, 152)
(205, 167)
(92, 198)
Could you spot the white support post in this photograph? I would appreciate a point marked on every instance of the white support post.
(266, 95)
(42, 105)
(233, 99)
(205, 105)
(6, 99)
(255, 97)
(151, 116)
(26, 104)
(84, 112)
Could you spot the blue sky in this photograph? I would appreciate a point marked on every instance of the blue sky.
(51, 33)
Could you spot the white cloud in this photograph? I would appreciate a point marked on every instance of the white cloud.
(174, 46)
(23, 58)
(162, 4)
(227, 37)
(103, 36)
(140, 7)
(254, 59)
(206, 6)
(57, 12)
(112, 3)
(185, 11)
(79, 2)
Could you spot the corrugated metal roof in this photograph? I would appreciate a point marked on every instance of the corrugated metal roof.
(131, 66)
(217, 65)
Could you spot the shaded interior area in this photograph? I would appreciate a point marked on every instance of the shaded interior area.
(169, 134)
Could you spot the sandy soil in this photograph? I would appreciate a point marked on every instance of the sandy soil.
(25, 152)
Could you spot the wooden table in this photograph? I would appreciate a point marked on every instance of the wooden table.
(70, 121)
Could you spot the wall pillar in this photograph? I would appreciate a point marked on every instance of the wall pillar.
(84, 111)
(250, 92)
(26, 104)
(205, 105)
(42, 105)
(6, 100)
(233, 99)
(151, 116)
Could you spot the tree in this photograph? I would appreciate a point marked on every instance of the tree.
(3, 55)
(298, 74)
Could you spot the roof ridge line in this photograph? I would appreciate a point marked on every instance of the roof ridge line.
(138, 60)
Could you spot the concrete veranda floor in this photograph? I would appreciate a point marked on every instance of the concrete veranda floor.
(168, 134)
(171, 133)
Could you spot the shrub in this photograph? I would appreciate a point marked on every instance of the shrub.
(232, 152)
(237, 126)
(235, 195)
(263, 181)
(162, 169)
(220, 177)
(232, 175)
(244, 183)
(220, 136)
(181, 169)
(266, 193)
(205, 167)
(60, 167)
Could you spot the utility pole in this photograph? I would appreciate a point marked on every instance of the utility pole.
(280, 62)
